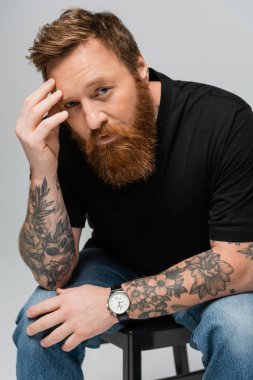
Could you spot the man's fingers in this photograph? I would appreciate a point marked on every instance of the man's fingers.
(72, 342)
(29, 110)
(46, 322)
(57, 335)
(43, 307)
(43, 107)
(39, 94)
(48, 124)
(55, 109)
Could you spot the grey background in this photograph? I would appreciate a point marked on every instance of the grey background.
(206, 41)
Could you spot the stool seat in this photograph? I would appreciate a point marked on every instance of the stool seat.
(149, 334)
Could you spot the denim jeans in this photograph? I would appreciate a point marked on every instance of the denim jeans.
(222, 329)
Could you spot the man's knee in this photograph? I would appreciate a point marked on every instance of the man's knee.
(227, 323)
(22, 321)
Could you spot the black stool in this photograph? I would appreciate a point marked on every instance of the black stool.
(148, 334)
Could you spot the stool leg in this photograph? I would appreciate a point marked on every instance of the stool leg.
(181, 359)
(132, 360)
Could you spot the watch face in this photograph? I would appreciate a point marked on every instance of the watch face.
(119, 302)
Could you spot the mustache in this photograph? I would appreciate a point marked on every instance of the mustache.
(121, 130)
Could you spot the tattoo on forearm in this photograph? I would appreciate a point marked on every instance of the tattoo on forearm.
(47, 253)
(156, 292)
(152, 296)
(179, 307)
(248, 251)
(210, 273)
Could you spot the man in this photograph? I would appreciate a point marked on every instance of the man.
(163, 169)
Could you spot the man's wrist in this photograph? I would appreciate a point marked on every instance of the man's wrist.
(38, 178)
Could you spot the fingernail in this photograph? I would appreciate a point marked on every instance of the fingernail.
(28, 331)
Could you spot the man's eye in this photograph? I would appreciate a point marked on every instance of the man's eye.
(70, 104)
(102, 91)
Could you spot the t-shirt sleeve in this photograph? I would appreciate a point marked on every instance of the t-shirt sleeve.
(231, 203)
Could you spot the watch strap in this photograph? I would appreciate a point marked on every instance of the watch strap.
(123, 317)
(116, 287)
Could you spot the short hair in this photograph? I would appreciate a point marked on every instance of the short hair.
(77, 25)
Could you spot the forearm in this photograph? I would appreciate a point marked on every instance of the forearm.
(46, 241)
(201, 278)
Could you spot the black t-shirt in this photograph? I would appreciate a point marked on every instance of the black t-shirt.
(202, 187)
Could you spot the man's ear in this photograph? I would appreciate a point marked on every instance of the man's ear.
(142, 68)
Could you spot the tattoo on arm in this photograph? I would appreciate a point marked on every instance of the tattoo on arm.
(152, 296)
(179, 307)
(210, 273)
(48, 253)
(248, 251)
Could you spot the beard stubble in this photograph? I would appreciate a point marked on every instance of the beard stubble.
(131, 157)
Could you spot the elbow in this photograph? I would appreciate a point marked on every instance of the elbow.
(52, 284)
(54, 279)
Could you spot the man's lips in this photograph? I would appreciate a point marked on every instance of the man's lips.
(106, 139)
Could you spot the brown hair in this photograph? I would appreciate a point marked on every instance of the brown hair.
(77, 25)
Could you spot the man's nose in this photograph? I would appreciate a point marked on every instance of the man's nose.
(95, 118)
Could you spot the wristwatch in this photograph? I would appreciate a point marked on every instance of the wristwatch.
(119, 303)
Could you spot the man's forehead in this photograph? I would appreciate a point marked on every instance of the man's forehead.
(86, 71)
(90, 58)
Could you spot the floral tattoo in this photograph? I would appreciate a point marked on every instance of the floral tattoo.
(210, 273)
(248, 252)
(153, 296)
(47, 253)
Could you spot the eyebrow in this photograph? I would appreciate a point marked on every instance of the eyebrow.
(88, 85)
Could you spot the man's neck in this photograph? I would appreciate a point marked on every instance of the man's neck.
(155, 89)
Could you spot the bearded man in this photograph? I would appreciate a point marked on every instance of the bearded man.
(163, 171)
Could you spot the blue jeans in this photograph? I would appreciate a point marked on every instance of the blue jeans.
(222, 329)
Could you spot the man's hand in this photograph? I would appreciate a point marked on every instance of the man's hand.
(81, 311)
(40, 138)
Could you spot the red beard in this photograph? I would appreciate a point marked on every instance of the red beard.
(131, 157)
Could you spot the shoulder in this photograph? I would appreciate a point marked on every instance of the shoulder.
(208, 97)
